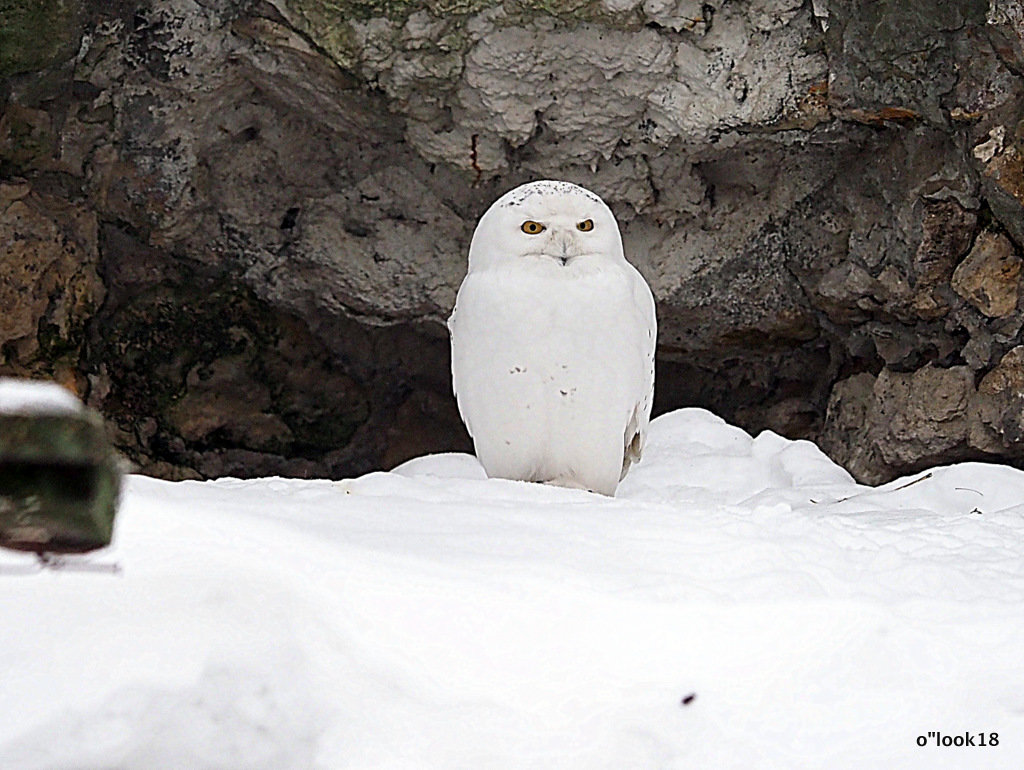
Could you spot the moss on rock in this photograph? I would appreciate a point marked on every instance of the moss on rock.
(36, 33)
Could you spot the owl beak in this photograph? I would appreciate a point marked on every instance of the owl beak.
(564, 257)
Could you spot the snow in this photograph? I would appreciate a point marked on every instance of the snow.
(431, 618)
(19, 396)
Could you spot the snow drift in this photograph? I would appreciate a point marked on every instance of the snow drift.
(741, 603)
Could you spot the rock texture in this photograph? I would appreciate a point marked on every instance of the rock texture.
(236, 226)
(989, 278)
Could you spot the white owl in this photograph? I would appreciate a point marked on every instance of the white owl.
(553, 337)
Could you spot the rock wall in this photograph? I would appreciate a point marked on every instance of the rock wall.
(236, 226)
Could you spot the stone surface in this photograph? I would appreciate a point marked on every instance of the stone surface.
(1003, 181)
(239, 225)
(900, 421)
(896, 60)
(49, 286)
(990, 276)
(999, 417)
(36, 33)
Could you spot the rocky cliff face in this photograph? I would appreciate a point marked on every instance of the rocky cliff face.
(236, 227)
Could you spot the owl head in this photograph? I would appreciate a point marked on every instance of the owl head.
(546, 220)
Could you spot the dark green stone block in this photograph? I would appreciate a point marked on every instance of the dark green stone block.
(59, 482)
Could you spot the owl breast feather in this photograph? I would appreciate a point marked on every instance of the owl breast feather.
(548, 371)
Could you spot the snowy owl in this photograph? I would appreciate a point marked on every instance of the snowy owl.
(553, 337)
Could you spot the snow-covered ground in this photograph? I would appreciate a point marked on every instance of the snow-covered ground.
(430, 618)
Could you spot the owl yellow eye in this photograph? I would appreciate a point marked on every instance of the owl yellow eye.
(586, 225)
(532, 228)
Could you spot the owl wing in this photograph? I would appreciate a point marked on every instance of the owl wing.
(453, 333)
(647, 333)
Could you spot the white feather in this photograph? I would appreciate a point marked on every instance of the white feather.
(553, 339)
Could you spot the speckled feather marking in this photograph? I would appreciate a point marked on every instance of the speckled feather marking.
(548, 187)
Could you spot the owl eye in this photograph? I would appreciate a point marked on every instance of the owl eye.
(532, 228)
(586, 225)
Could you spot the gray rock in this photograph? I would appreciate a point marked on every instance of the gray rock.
(999, 416)
(1002, 180)
(267, 207)
(899, 421)
(847, 436)
(919, 416)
